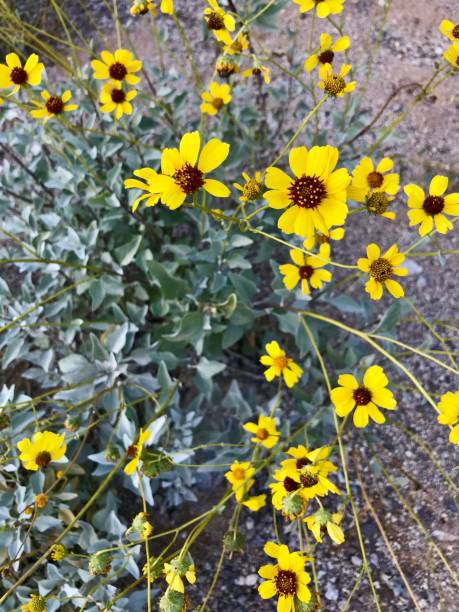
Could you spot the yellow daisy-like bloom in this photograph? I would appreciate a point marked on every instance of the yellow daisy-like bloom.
(315, 197)
(381, 270)
(183, 170)
(287, 486)
(41, 500)
(37, 603)
(365, 398)
(151, 178)
(319, 238)
(14, 74)
(113, 98)
(451, 54)
(142, 7)
(167, 7)
(225, 67)
(251, 190)
(323, 522)
(449, 409)
(314, 482)
(135, 451)
(280, 365)
(335, 84)
(256, 70)
(326, 53)
(240, 477)
(217, 96)
(302, 457)
(44, 447)
(285, 580)
(255, 503)
(218, 20)
(449, 29)
(307, 270)
(173, 571)
(432, 209)
(235, 47)
(118, 66)
(58, 552)
(265, 432)
(324, 8)
(373, 186)
(53, 106)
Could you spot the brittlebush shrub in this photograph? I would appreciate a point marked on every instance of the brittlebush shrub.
(188, 303)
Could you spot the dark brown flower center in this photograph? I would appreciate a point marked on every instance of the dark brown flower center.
(326, 57)
(308, 480)
(256, 70)
(375, 179)
(132, 451)
(262, 433)
(290, 485)
(433, 205)
(43, 458)
(215, 21)
(286, 582)
(189, 178)
(455, 31)
(306, 272)
(381, 269)
(300, 463)
(334, 85)
(307, 191)
(18, 75)
(118, 96)
(117, 71)
(225, 69)
(217, 103)
(54, 105)
(377, 203)
(362, 396)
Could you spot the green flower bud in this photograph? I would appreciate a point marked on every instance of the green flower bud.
(100, 563)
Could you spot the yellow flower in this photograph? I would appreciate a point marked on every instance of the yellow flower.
(45, 447)
(286, 494)
(37, 603)
(322, 522)
(285, 580)
(142, 7)
(381, 270)
(251, 190)
(265, 432)
(177, 569)
(151, 178)
(113, 98)
(314, 482)
(373, 186)
(258, 69)
(215, 98)
(225, 67)
(319, 238)
(134, 452)
(240, 477)
(432, 209)
(302, 457)
(449, 29)
(41, 500)
(326, 53)
(14, 74)
(167, 7)
(54, 105)
(58, 552)
(280, 364)
(235, 47)
(315, 197)
(307, 269)
(449, 409)
(334, 84)
(324, 8)
(365, 398)
(183, 170)
(255, 503)
(451, 54)
(218, 20)
(118, 66)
